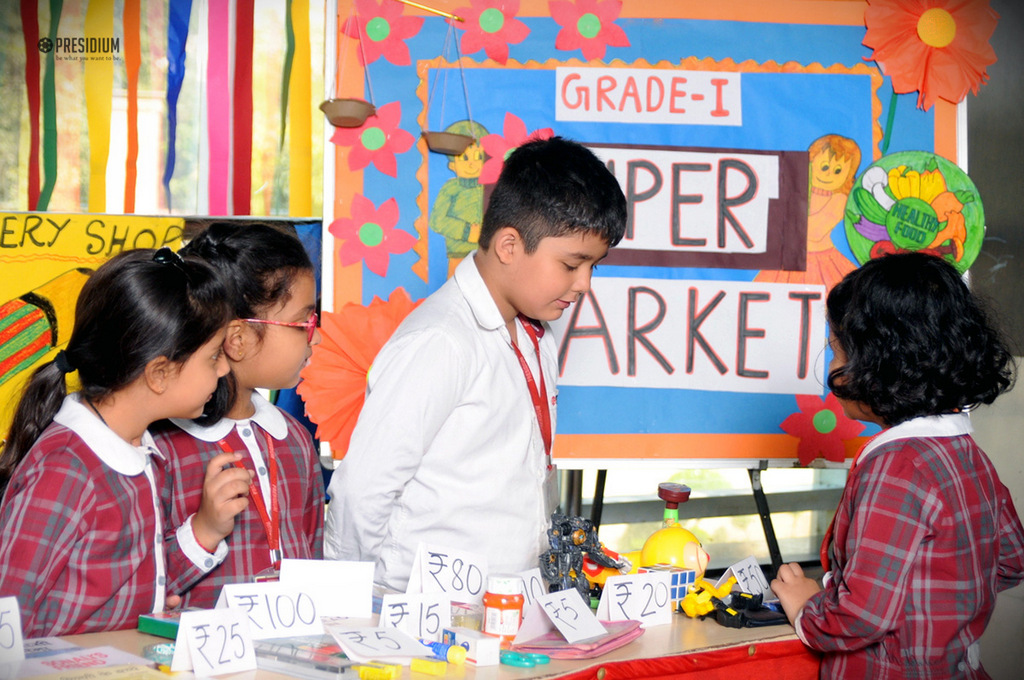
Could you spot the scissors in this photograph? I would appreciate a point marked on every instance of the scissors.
(523, 659)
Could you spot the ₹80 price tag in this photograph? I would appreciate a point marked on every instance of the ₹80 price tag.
(460, 574)
(12, 643)
(213, 641)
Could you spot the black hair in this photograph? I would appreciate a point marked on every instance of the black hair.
(258, 263)
(555, 187)
(136, 307)
(917, 341)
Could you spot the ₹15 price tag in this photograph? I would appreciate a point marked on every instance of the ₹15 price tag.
(213, 641)
(12, 644)
(637, 597)
(422, 615)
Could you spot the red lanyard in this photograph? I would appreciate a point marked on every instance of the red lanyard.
(271, 520)
(538, 396)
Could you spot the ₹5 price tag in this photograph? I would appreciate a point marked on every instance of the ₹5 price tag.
(213, 641)
(12, 644)
(571, 615)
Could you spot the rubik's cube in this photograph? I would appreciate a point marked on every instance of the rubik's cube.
(679, 582)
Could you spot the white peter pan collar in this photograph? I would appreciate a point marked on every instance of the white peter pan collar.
(946, 425)
(109, 447)
(267, 416)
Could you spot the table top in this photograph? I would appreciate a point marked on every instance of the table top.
(682, 636)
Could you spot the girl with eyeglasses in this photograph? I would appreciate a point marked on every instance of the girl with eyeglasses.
(272, 292)
(81, 526)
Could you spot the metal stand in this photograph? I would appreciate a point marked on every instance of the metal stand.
(766, 517)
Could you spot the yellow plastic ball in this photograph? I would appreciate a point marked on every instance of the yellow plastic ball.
(676, 546)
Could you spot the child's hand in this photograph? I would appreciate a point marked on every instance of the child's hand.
(225, 494)
(793, 589)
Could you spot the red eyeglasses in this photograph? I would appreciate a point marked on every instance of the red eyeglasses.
(309, 324)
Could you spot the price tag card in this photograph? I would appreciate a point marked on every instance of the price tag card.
(273, 609)
(341, 588)
(385, 645)
(461, 574)
(213, 641)
(534, 586)
(571, 615)
(749, 577)
(421, 615)
(637, 597)
(12, 644)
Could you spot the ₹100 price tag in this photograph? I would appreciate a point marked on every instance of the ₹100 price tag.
(213, 641)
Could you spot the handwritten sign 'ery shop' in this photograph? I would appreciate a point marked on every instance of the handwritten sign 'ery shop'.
(633, 95)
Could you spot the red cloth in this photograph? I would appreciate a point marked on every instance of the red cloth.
(785, 659)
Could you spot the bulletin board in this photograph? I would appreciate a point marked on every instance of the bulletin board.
(694, 343)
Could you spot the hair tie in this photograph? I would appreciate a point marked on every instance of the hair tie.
(167, 256)
(63, 363)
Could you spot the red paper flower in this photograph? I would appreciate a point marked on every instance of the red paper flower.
(376, 141)
(822, 427)
(490, 25)
(938, 48)
(370, 235)
(382, 30)
(333, 385)
(498, 147)
(588, 25)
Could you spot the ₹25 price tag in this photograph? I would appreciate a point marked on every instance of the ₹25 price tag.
(12, 643)
(213, 641)
(637, 597)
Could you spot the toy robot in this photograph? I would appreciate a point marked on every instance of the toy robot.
(562, 564)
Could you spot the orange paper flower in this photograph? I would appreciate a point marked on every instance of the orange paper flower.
(938, 48)
(333, 385)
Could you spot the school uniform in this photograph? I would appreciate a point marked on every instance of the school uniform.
(447, 450)
(81, 534)
(924, 538)
(300, 490)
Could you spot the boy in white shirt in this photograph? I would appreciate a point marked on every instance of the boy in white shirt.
(453, 445)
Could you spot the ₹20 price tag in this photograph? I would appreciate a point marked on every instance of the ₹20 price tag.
(213, 641)
(12, 643)
(637, 597)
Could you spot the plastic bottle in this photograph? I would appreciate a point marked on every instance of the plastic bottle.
(503, 607)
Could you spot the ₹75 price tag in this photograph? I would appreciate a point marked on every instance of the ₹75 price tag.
(423, 615)
(637, 597)
(213, 641)
(12, 644)
(571, 615)
(274, 609)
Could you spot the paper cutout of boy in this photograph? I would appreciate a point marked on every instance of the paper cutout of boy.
(459, 208)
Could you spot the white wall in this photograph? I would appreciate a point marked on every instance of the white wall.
(999, 429)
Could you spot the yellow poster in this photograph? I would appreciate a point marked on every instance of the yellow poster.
(45, 259)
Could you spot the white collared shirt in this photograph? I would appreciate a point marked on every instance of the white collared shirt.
(447, 450)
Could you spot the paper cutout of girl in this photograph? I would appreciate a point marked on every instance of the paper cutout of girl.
(834, 160)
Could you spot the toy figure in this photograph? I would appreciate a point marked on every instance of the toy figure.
(459, 208)
(570, 537)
